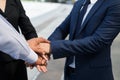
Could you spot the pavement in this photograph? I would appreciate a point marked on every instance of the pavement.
(35, 9)
(39, 9)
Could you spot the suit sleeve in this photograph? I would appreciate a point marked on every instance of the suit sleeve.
(62, 31)
(101, 38)
(24, 22)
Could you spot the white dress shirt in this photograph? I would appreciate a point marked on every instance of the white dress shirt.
(14, 44)
(88, 9)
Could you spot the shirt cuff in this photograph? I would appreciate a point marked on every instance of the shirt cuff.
(32, 57)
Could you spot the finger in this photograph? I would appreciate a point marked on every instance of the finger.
(38, 68)
(40, 40)
(44, 62)
(47, 41)
(47, 56)
(43, 56)
(43, 68)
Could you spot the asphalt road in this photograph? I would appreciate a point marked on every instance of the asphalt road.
(116, 57)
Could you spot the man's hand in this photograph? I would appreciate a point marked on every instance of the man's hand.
(46, 48)
(40, 64)
(34, 44)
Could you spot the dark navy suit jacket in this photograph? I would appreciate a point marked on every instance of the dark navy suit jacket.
(91, 44)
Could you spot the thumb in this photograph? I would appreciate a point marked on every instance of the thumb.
(43, 40)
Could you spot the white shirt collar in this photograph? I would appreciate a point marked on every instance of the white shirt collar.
(93, 1)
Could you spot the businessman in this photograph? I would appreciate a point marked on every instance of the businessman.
(91, 26)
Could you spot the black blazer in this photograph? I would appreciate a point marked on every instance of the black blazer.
(15, 14)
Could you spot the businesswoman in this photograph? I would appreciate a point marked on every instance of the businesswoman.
(13, 11)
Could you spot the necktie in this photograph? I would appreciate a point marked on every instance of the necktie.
(81, 14)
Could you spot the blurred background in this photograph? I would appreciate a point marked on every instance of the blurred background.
(46, 15)
(55, 1)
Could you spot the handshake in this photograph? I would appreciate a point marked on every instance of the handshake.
(41, 47)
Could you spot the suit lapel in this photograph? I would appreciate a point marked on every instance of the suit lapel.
(90, 14)
(74, 18)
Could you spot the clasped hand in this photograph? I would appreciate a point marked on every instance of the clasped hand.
(42, 47)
